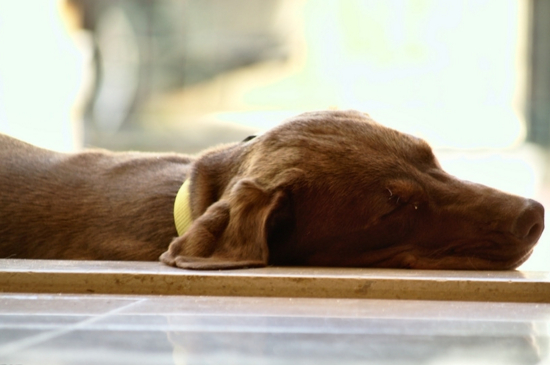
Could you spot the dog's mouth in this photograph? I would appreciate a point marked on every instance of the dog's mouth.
(472, 260)
(487, 254)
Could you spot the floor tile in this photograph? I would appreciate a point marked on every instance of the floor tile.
(375, 308)
(99, 347)
(183, 347)
(14, 334)
(61, 304)
(228, 330)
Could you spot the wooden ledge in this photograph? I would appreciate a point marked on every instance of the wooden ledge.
(146, 278)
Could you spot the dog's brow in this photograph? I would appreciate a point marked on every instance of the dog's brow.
(424, 147)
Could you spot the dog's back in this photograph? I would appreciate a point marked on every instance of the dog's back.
(54, 204)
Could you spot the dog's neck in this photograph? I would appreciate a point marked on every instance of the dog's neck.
(182, 209)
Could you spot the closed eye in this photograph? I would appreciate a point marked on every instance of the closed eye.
(392, 205)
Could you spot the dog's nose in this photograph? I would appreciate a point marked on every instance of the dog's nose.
(529, 224)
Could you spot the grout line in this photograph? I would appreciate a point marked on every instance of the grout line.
(15, 346)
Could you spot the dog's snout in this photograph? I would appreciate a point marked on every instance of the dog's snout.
(529, 224)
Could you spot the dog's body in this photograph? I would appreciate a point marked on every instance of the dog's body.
(327, 188)
(92, 205)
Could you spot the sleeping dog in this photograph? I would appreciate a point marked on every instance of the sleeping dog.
(328, 188)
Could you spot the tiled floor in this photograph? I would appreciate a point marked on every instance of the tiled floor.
(112, 329)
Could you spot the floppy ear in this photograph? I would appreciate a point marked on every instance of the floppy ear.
(231, 234)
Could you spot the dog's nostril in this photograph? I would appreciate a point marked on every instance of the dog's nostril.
(535, 231)
(530, 222)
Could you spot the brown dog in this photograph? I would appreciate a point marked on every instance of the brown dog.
(329, 188)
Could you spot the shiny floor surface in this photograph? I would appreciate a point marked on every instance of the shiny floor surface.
(108, 329)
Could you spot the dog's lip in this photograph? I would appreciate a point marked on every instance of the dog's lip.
(507, 263)
(493, 253)
(495, 247)
(483, 261)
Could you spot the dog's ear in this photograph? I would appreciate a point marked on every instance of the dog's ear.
(233, 232)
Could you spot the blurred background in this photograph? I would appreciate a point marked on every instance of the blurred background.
(472, 77)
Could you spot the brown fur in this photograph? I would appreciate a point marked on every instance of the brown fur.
(329, 188)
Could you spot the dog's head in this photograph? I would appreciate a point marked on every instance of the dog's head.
(334, 188)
